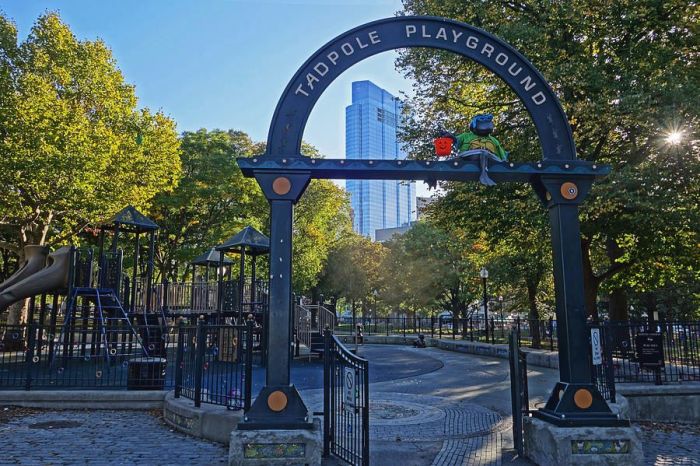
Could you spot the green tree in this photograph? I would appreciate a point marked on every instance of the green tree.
(74, 147)
(321, 218)
(353, 269)
(627, 75)
(427, 269)
(212, 201)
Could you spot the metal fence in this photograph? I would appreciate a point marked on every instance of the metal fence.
(520, 399)
(345, 403)
(213, 364)
(206, 363)
(49, 358)
(533, 333)
(679, 350)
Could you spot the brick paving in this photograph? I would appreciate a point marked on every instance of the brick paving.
(101, 438)
(455, 415)
(671, 444)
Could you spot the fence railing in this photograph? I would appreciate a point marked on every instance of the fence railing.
(203, 297)
(206, 363)
(302, 326)
(214, 364)
(539, 333)
(85, 358)
(345, 403)
(679, 351)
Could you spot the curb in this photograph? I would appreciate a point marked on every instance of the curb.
(83, 399)
(540, 358)
(211, 422)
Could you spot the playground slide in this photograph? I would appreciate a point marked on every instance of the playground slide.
(51, 278)
(34, 260)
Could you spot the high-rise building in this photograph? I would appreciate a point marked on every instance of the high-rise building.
(371, 123)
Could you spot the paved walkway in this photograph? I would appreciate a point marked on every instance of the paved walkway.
(427, 407)
(101, 438)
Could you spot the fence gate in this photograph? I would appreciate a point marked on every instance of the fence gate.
(345, 403)
(520, 400)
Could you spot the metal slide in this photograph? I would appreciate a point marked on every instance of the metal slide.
(41, 280)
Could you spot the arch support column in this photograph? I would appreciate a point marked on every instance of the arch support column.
(575, 400)
(279, 405)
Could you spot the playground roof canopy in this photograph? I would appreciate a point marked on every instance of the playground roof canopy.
(131, 217)
(249, 238)
(211, 257)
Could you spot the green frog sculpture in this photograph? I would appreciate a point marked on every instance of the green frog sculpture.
(477, 143)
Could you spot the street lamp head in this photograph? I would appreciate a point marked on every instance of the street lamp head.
(484, 273)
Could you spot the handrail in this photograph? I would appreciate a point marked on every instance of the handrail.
(325, 318)
(302, 325)
(346, 353)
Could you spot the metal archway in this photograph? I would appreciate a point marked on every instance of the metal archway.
(331, 60)
(560, 180)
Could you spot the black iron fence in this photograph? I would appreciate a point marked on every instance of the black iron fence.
(206, 363)
(533, 333)
(653, 352)
(520, 399)
(48, 357)
(345, 403)
(213, 364)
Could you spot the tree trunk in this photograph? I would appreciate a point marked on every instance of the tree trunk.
(17, 311)
(619, 310)
(618, 298)
(533, 315)
(590, 282)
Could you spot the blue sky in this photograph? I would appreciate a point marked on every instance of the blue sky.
(224, 63)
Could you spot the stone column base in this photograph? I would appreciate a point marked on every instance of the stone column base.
(547, 444)
(270, 447)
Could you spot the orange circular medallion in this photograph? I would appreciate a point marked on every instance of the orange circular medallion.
(569, 190)
(277, 401)
(583, 398)
(281, 186)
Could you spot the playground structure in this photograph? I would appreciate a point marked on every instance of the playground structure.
(85, 305)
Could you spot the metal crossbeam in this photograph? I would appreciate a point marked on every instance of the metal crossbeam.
(449, 170)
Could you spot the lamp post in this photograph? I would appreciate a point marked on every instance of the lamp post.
(503, 322)
(484, 273)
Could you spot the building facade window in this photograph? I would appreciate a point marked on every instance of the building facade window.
(371, 123)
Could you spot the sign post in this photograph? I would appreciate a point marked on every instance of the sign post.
(349, 389)
(650, 353)
(596, 347)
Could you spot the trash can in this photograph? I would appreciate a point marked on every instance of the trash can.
(146, 374)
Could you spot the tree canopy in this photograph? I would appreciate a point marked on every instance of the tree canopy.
(627, 78)
(74, 146)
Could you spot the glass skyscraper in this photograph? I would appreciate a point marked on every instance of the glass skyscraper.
(370, 133)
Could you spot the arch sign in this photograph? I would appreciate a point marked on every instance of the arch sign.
(341, 53)
(560, 180)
